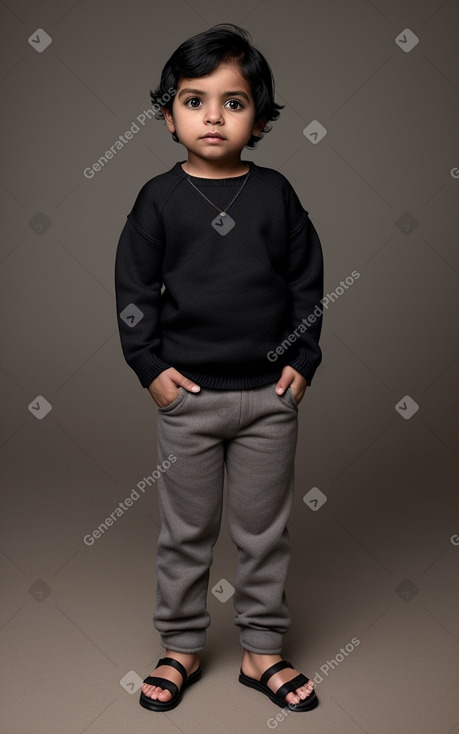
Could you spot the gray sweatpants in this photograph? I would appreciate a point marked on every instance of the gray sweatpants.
(253, 433)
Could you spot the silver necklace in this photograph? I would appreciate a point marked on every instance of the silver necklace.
(223, 223)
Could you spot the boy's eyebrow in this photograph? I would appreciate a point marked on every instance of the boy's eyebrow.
(201, 93)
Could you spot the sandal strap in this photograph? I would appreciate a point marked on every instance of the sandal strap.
(155, 680)
(274, 669)
(174, 664)
(291, 685)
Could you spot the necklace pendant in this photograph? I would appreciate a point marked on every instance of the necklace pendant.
(223, 223)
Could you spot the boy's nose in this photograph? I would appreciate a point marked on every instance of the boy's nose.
(213, 116)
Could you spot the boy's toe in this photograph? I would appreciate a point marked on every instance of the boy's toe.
(305, 691)
(164, 695)
(300, 694)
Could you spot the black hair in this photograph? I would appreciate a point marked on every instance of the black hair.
(202, 54)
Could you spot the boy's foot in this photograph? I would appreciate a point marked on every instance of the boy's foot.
(254, 665)
(189, 661)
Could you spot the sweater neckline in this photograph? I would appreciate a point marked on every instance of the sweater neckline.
(216, 182)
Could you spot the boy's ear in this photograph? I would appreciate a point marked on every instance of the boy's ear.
(258, 127)
(169, 119)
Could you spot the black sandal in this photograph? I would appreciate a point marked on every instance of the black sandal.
(188, 680)
(290, 687)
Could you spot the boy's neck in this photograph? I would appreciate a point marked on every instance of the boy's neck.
(214, 169)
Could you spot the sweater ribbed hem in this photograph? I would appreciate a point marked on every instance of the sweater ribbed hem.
(228, 382)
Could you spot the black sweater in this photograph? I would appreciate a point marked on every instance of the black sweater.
(218, 307)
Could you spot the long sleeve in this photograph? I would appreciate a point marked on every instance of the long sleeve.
(138, 285)
(305, 283)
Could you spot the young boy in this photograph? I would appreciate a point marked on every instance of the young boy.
(218, 281)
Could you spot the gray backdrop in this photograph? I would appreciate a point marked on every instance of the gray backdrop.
(375, 531)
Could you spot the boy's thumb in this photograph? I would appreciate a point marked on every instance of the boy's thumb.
(281, 387)
(190, 386)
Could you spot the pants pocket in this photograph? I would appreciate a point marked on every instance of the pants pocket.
(182, 393)
(288, 397)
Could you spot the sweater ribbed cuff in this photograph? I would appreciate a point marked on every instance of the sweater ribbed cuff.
(305, 367)
(147, 368)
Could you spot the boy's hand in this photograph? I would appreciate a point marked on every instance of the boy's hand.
(292, 378)
(164, 389)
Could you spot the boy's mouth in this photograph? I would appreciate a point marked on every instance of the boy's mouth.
(212, 136)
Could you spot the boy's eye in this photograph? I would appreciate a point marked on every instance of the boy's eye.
(193, 102)
(235, 104)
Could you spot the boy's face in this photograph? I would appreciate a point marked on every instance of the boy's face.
(219, 103)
